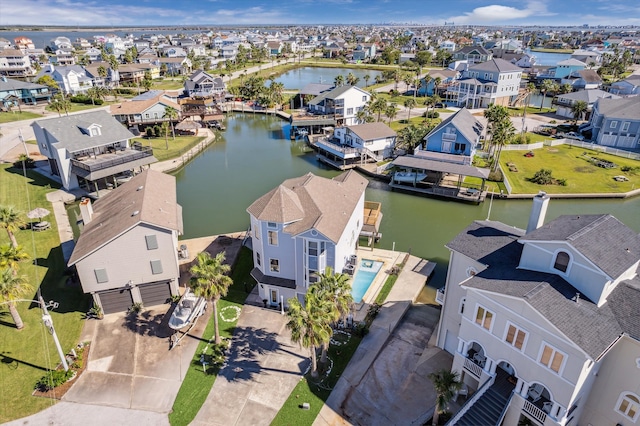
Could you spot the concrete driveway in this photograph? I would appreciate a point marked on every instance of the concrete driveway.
(130, 365)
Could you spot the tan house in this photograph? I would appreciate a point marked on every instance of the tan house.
(128, 250)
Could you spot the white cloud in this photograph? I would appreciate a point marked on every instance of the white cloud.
(499, 13)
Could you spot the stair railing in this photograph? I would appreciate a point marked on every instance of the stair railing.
(469, 402)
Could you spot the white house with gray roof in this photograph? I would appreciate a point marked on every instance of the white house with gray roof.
(202, 84)
(532, 317)
(127, 251)
(301, 227)
(493, 82)
(342, 103)
(89, 150)
(616, 123)
(71, 79)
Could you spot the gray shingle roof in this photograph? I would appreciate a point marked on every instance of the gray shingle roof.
(602, 239)
(590, 327)
(589, 96)
(152, 194)
(67, 131)
(625, 108)
(11, 84)
(371, 131)
(312, 202)
(334, 93)
(466, 124)
(496, 65)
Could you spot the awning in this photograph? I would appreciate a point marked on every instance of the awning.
(440, 166)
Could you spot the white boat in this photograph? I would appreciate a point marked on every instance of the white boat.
(189, 308)
(409, 177)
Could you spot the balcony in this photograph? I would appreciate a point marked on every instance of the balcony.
(449, 137)
(111, 162)
(473, 367)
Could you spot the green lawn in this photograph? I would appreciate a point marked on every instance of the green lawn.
(75, 107)
(566, 162)
(401, 124)
(167, 84)
(8, 117)
(177, 147)
(197, 384)
(26, 354)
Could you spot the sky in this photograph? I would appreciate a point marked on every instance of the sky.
(122, 13)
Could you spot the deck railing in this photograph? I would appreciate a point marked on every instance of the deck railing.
(473, 368)
(534, 411)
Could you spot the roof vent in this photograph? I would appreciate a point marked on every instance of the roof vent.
(135, 213)
(140, 188)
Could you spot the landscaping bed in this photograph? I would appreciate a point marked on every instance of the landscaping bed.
(77, 365)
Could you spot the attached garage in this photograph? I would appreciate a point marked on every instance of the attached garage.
(115, 301)
(155, 293)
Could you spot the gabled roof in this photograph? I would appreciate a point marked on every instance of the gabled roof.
(66, 132)
(496, 65)
(589, 96)
(625, 108)
(151, 194)
(468, 49)
(335, 93)
(312, 202)
(589, 76)
(572, 62)
(138, 106)
(315, 88)
(371, 131)
(467, 125)
(7, 84)
(602, 239)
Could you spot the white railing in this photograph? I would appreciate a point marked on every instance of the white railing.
(469, 402)
(474, 368)
(440, 295)
(523, 147)
(534, 411)
(449, 137)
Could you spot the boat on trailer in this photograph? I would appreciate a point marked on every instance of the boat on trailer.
(186, 313)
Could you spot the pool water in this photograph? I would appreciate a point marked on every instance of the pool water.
(365, 275)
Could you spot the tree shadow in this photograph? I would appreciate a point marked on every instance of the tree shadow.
(35, 178)
(148, 323)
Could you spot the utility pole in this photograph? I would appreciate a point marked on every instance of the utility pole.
(48, 322)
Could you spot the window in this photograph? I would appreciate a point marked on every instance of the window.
(562, 261)
(462, 305)
(256, 231)
(156, 267)
(272, 225)
(484, 318)
(101, 275)
(274, 265)
(349, 111)
(273, 238)
(515, 337)
(629, 405)
(152, 242)
(614, 124)
(625, 127)
(258, 259)
(551, 358)
(364, 98)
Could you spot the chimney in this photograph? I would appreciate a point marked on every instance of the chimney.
(538, 211)
(86, 210)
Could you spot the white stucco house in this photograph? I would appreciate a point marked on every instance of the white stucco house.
(301, 227)
(542, 323)
(342, 103)
(127, 251)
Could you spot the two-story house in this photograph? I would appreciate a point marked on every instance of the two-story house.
(562, 69)
(203, 84)
(615, 122)
(110, 77)
(89, 150)
(342, 103)
(628, 86)
(144, 110)
(532, 316)
(364, 52)
(71, 79)
(493, 82)
(127, 251)
(565, 102)
(15, 63)
(454, 140)
(16, 92)
(583, 80)
(472, 54)
(301, 227)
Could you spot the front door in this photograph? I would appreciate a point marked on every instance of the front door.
(274, 297)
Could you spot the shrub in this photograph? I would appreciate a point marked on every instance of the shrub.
(361, 329)
(28, 162)
(135, 308)
(431, 114)
(521, 139)
(495, 176)
(53, 379)
(542, 177)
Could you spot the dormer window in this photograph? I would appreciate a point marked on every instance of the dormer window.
(562, 261)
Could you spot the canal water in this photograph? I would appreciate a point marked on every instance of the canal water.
(254, 155)
(300, 77)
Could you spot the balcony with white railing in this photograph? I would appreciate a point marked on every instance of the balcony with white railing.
(472, 367)
(536, 413)
(449, 137)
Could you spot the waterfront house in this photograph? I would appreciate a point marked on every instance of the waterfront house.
(615, 123)
(565, 102)
(457, 137)
(472, 54)
(562, 70)
(428, 84)
(15, 63)
(542, 323)
(71, 79)
(341, 103)
(146, 109)
(89, 150)
(128, 249)
(364, 51)
(626, 87)
(583, 80)
(15, 92)
(301, 227)
(175, 66)
(60, 43)
(203, 84)
(493, 82)
(111, 78)
(24, 43)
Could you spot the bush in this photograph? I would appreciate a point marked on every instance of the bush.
(495, 176)
(431, 114)
(84, 99)
(28, 162)
(53, 379)
(542, 177)
(521, 139)
(361, 329)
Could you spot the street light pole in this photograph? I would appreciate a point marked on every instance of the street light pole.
(48, 322)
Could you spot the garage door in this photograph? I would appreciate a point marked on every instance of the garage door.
(155, 294)
(115, 301)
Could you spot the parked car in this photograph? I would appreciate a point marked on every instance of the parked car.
(575, 135)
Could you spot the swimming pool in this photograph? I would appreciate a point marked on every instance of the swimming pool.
(365, 275)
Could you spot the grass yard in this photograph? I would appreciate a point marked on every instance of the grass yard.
(401, 124)
(167, 84)
(8, 117)
(25, 355)
(197, 384)
(566, 162)
(177, 146)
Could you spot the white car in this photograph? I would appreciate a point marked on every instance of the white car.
(574, 135)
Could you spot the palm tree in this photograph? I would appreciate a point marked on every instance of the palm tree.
(378, 106)
(446, 383)
(578, 109)
(11, 256)
(547, 86)
(338, 81)
(500, 127)
(11, 220)
(366, 78)
(309, 323)
(361, 115)
(409, 104)
(59, 103)
(352, 80)
(391, 111)
(210, 281)
(171, 114)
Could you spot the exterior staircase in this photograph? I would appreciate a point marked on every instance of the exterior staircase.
(489, 409)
